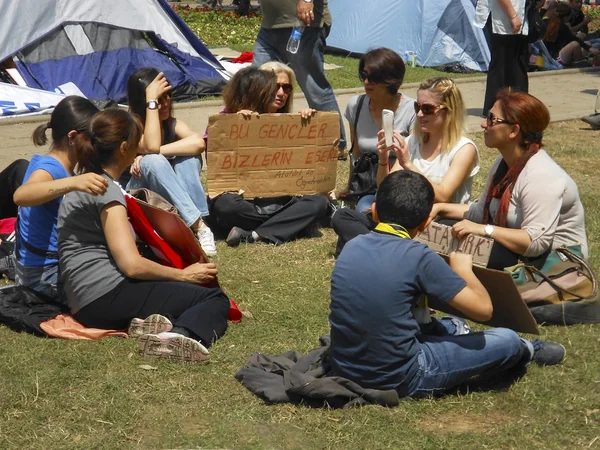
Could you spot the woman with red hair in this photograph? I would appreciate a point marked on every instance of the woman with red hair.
(530, 205)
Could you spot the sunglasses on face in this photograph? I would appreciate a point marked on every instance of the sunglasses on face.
(492, 120)
(287, 87)
(363, 76)
(427, 109)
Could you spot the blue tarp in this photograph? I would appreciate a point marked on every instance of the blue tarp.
(437, 31)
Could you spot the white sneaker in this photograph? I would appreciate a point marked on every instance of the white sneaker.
(207, 240)
(173, 346)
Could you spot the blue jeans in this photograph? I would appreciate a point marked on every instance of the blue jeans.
(178, 181)
(307, 64)
(365, 203)
(41, 279)
(448, 361)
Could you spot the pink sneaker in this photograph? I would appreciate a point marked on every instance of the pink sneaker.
(173, 346)
(152, 324)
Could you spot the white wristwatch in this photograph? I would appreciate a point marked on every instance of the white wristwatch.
(308, 1)
(488, 230)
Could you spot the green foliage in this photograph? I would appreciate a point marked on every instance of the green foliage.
(217, 28)
(100, 394)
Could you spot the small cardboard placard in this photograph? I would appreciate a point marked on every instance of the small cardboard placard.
(271, 155)
(439, 238)
(510, 311)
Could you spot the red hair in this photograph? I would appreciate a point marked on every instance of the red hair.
(533, 117)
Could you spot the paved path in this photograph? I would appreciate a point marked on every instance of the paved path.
(569, 94)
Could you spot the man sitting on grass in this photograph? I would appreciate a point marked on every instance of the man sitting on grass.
(378, 281)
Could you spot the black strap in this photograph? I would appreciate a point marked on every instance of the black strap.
(359, 104)
(30, 248)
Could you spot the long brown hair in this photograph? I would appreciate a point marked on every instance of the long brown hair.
(252, 89)
(532, 117)
(107, 130)
(555, 20)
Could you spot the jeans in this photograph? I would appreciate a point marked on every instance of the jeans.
(41, 279)
(448, 361)
(178, 181)
(307, 64)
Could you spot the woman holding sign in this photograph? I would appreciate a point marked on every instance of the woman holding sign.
(272, 220)
(530, 205)
(170, 157)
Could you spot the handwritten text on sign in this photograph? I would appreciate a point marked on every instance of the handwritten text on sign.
(440, 239)
(272, 154)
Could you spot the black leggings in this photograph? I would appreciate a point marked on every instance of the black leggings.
(282, 225)
(200, 310)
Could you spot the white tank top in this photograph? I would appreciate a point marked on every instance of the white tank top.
(436, 170)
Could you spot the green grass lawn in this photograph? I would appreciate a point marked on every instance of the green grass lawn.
(71, 394)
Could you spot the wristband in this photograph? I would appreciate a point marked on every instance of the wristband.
(383, 163)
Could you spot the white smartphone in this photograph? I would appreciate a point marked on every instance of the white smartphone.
(387, 119)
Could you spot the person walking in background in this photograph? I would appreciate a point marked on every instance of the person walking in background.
(279, 18)
(507, 30)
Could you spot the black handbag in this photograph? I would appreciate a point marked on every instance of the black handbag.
(363, 179)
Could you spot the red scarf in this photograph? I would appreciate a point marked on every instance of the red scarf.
(502, 186)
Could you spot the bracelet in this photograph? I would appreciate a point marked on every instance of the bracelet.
(514, 16)
(383, 163)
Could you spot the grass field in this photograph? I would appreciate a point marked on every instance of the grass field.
(70, 394)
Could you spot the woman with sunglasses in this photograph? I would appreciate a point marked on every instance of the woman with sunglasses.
(171, 153)
(529, 205)
(271, 220)
(438, 149)
(382, 72)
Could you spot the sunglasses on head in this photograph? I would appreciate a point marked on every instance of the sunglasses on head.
(427, 109)
(287, 87)
(492, 120)
(363, 76)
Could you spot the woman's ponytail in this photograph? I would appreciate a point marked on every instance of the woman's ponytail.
(39, 135)
(87, 157)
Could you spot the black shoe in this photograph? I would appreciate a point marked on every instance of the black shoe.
(546, 353)
(593, 120)
(312, 231)
(237, 235)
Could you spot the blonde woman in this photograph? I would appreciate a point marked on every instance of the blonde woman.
(437, 149)
(284, 99)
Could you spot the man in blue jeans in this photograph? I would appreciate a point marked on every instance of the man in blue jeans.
(377, 287)
(279, 17)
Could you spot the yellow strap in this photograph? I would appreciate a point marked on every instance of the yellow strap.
(396, 230)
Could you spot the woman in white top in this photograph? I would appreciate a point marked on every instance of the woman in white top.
(529, 205)
(437, 149)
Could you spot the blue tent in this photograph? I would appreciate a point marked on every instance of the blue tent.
(98, 44)
(437, 31)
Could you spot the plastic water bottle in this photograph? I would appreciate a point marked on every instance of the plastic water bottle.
(294, 40)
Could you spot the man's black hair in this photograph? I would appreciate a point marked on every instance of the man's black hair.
(404, 198)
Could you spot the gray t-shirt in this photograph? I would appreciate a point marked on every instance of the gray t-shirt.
(282, 13)
(366, 129)
(88, 270)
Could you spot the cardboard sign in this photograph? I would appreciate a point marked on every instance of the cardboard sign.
(510, 311)
(439, 238)
(271, 155)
